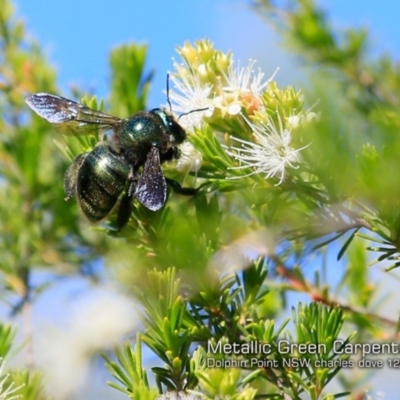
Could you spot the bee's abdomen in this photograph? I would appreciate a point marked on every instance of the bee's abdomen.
(101, 179)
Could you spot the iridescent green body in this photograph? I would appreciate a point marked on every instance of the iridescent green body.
(145, 130)
(98, 178)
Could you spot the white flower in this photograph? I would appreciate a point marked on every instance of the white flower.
(190, 158)
(188, 97)
(296, 120)
(5, 394)
(269, 154)
(243, 79)
(178, 396)
(242, 89)
(234, 108)
(375, 395)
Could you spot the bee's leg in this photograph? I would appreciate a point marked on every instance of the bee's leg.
(173, 153)
(124, 211)
(181, 190)
(125, 206)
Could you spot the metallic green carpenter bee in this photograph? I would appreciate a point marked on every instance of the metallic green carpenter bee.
(131, 158)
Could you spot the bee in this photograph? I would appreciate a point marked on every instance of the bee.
(129, 160)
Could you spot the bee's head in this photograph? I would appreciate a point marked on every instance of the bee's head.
(176, 134)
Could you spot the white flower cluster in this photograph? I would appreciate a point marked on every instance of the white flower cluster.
(270, 150)
(190, 94)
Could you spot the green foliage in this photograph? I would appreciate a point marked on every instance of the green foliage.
(26, 384)
(229, 316)
(7, 334)
(30, 384)
(31, 169)
(170, 329)
(129, 88)
(129, 372)
(361, 131)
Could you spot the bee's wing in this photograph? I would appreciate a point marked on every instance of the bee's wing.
(75, 117)
(151, 189)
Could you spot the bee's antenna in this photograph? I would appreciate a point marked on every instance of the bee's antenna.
(193, 111)
(168, 100)
(170, 106)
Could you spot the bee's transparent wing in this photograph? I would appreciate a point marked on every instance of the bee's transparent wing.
(73, 118)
